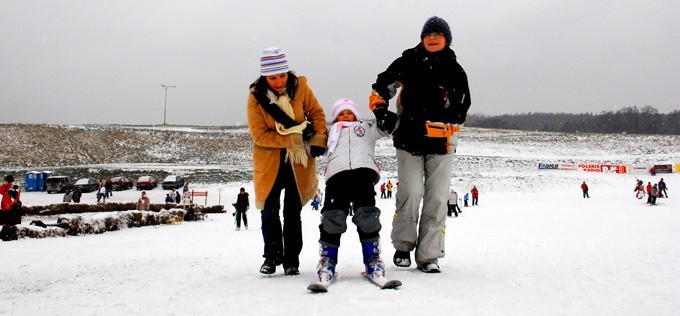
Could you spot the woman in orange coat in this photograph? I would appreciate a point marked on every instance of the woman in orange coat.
(284, 118)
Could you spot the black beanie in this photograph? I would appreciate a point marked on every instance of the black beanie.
(436, 24)
(9, 178)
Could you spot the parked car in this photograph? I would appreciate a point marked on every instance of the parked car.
(58, 184)
(121, 183)
(172, 182)
(147, 183)
(87, 185)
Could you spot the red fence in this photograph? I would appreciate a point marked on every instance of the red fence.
(198, 193)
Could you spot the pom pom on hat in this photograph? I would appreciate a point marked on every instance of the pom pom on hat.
(436, 24)
(273, 61)
(345, 104)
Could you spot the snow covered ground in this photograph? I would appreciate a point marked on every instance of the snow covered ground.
(547, 252)
(533, 246)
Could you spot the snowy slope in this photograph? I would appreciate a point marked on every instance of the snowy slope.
(515, 253)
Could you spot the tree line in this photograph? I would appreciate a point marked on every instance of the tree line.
(633, 120)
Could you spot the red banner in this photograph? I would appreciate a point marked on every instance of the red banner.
(615, 169)
(589, 167)
(606, 168)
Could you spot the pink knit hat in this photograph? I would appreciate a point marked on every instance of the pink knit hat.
(345, 104)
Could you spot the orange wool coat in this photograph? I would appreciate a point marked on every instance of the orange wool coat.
(268, 144)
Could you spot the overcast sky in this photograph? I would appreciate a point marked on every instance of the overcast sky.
(89, 62)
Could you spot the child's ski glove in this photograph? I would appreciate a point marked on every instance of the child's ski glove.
(308, 132)
(316, 151)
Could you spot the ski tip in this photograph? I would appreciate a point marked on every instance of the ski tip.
(382, 282)
(317, 288)
(392, 284)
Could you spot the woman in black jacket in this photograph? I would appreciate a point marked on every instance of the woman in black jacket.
(431, 107)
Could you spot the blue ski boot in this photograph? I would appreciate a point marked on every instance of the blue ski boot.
(325, 270)
(374, 265)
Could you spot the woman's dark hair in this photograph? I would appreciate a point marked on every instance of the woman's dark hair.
(261, 85)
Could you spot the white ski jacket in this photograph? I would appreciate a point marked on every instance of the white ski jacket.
(453, 198)
(355, 149)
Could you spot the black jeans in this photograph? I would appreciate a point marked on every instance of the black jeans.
(275, 237)
(347, 191)
(453, 209)
(241, 214)
(9, 218)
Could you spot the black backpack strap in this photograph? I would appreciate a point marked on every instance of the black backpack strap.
(275, 112)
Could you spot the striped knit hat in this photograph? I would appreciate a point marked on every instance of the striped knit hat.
(273, 61)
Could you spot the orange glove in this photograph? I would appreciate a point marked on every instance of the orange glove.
(375, 102)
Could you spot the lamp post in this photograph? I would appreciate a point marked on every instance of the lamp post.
(165, 105)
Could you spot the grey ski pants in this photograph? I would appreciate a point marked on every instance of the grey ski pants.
(423, 179)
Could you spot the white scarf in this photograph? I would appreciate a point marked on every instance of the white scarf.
(334, 134)
(296, 154)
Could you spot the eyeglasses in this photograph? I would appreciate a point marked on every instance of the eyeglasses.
(433, 34)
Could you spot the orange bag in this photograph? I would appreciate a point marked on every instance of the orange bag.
(438, 129)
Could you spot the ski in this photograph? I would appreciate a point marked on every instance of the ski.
(321, 286)
(382, 282)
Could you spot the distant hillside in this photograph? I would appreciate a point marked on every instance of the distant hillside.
(67, 149)
(55, 145)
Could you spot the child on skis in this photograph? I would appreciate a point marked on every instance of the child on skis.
(351, 174)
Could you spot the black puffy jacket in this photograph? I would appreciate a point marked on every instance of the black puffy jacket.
(434, 87)
(242, 201)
